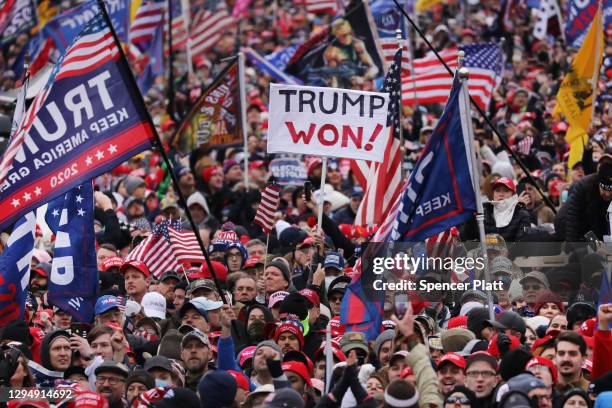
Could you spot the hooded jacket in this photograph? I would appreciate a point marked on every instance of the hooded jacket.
(45, 357)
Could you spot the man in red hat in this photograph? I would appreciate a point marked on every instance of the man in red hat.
(137, 277)
(451, 372)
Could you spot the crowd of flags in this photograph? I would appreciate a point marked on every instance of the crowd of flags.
(389, 201)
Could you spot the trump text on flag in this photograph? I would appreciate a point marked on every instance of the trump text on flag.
(328, 122)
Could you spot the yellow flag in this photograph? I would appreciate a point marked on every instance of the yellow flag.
(577, 139)
(424, 5)
(575, 96)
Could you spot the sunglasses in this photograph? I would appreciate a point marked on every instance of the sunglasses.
(454, 400)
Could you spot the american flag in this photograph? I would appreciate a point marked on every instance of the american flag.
(167, 248)
(524, 145)
(149, 16)
(92, 48)
(433, 82)
(321, 6)
(382, 181)
(180, 32)
(441, 246)
(208, 27)
(270, 199)
(388, 46)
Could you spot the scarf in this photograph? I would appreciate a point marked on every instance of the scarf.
(504, 210)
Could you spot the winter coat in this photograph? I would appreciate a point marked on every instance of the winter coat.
(586, 211)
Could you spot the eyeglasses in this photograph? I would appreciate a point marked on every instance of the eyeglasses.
(110, 380)
(542, 397)
(531, 287)
(454, 400)
(483, 374)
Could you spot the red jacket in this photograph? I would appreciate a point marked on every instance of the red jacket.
(602, 363)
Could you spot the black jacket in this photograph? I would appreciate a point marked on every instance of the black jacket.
(520, 222)
(586, 211)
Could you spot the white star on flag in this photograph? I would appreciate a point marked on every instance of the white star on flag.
(38, 191)
(55, 212)
(81, 212)
(15, 202)
(99, 155)
(112, 149)
(27, 196)
(88, 161)
(79, 199)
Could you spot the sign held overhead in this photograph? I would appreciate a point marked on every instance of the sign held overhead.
(328, 122)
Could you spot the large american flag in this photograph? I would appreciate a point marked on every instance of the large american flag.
(179, 24)
(270, 199)
(148, 17)
(167, 248)
(208, 26)
(92, 48)
(433, 82)
(388, 46)
(321, 6)
(382, 181)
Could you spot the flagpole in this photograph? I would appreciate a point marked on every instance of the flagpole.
(597, 60)
(481, 112)
(170, 109)
(321, 194)
(467, 122)
(243, 124)
(329, 358)
(398, 37)
(162, 150)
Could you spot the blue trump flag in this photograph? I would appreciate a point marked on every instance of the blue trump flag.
(15, 269)
(275, 70)
(439, 194)
(68, 25)
(73, 284)
(88, 119)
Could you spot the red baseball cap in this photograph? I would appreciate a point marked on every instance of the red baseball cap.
(457, 322)
(587, 364)
(255, 164)
(337, 328)
(541, 342)
(588, 327)
(454, 359)
(111, 262)
(246, 354)
(241, 380)
(291, 328)
(204, 272)
(311, 295)
(253, 261)
(537, 360)
(494, 350)
(504, 181)
(335, 351)
(299, 369)
(138, 265)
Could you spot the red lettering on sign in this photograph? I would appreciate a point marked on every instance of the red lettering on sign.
(369, 146)
(321, 135)
(348, 132)
(300, 135)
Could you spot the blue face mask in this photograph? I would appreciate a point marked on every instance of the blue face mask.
(160, 383)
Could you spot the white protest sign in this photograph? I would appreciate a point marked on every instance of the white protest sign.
(328, 122)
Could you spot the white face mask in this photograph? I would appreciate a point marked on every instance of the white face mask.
(504, 210)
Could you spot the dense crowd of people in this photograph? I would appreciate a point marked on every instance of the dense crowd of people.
(264, 336)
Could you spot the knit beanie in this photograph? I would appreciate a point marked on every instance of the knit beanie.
(514, 363)
(17, 330)
(170, 345)
(402, 394)
(271, 344)
(281, 264)
(477, 320)
(217, 389)
(131, 183)
(387, 335)
(142, 377)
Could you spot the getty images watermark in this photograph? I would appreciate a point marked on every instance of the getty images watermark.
(423, 266)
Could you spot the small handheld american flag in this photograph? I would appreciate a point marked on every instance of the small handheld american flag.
(270, 199)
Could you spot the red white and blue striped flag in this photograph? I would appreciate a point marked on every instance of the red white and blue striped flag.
(149, 16)
(208, 26)
(270, 199)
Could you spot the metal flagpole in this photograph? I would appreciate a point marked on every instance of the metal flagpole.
(481, 112)
(329, 359)
(398, 37)
(597, 60)
(170, 108)
(162, 150)
(466, 124)
(243, 124)
(321, 194)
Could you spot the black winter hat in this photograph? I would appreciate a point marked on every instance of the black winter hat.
(142, 377)
(17, 330)
(477, 319)
(294, 304)
(514, 363)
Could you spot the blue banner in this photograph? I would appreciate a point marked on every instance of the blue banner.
(74, 129)
(580, 14)
(155, 67)
(274, 64)
(387, 18)
(288, 172)
(73, 284)
(439, 193)
(20, 18)
(65, 27)
(15, 266)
